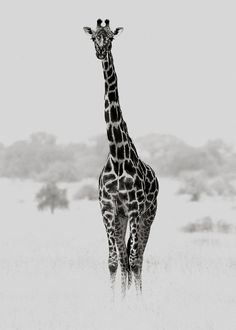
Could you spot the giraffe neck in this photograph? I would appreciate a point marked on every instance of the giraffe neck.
(120, 144)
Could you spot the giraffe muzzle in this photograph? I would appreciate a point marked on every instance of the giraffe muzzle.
(101, 56)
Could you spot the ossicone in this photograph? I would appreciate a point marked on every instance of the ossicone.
(99, 22)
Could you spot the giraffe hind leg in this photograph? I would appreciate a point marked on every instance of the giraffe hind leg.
(145, 227)
(129, 269)
(134, 255)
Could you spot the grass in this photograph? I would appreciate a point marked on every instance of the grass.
(53, 271)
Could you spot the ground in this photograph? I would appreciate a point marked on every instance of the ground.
(53, 268)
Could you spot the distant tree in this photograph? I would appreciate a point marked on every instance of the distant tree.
(194, 184)
(42, 158)
(2, 157)
(223, 185)
(42, 138)
(197, 183)
(52, 197)
(59, 171)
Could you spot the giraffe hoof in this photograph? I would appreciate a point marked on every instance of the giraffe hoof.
(112, 268)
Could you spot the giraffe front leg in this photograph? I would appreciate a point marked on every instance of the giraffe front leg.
(121, 225)
(124, 267)
(112, 262)
(134, 253)
(112, 258)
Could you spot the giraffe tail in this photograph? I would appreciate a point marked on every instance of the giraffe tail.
(129, 269)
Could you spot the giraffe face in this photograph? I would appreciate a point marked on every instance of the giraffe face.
(102, 42)
(102, 38)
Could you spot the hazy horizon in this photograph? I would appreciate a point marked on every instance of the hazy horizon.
(91, 140)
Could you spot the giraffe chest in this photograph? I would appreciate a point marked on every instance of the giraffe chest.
(132, 190)
(126, 190)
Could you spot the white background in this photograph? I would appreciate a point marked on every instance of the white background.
(175, 63)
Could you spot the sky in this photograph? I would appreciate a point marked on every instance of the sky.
(175, 62)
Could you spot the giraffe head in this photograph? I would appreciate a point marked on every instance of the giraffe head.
(102, 38)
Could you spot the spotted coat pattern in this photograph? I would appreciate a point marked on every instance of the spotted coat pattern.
(128, 187)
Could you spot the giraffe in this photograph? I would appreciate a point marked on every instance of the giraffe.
(128, 187)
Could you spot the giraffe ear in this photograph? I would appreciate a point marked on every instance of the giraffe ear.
(118, 31)
(88, 30)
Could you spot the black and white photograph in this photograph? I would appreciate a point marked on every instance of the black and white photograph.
(117, 165)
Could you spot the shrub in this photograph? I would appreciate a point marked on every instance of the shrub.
(194, 184)
(50, 196)
(206, 224)
(224, 227)
(199, 225)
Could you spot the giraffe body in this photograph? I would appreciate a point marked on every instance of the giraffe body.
(128, 187)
